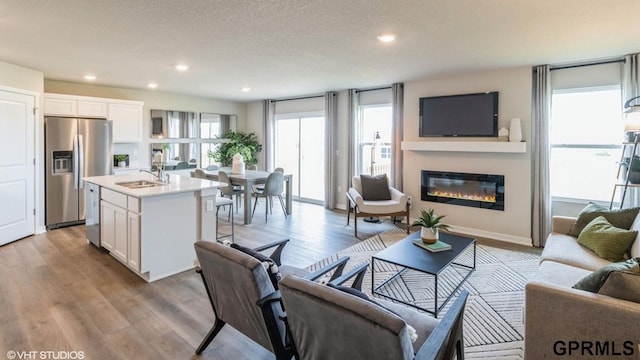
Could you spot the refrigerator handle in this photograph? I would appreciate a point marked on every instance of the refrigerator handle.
(76, 167)
(80, 162)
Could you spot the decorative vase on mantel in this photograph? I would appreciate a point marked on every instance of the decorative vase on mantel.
(429, 235)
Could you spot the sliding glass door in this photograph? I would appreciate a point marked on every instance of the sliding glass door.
(300, 151)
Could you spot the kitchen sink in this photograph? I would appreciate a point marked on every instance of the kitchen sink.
(140, 184)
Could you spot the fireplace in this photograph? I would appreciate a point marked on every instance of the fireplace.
(475, 190)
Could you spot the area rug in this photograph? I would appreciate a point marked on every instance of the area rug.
(493, 324)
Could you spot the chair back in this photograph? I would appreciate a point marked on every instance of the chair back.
(192, 161)
(274, 184)
(446, 341)
(355, 182)
(224, 178)
(213, 167)
(326, 323)
(279, 169)
(198, 173)
(236, 282)
(182, 165)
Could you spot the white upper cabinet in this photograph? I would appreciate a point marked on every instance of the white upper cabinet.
(127, 122)
(125, 114)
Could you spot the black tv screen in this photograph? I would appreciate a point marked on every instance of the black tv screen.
(459, 115)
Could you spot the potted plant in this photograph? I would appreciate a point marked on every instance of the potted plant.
(121, 160)
(245, 144)
(430, 224)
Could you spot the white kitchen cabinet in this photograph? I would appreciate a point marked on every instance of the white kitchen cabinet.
(92, 108)
(125, 114)
(120, 227)
(127, 122)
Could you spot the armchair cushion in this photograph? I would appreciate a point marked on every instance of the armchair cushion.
(267, 263)
(375, 187)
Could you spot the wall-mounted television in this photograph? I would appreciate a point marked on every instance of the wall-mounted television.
(459, 115)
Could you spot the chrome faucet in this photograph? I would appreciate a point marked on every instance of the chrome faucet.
(161, 176)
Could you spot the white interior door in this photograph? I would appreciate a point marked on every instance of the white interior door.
(17, 169)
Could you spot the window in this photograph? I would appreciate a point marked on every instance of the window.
(586, 134)
(375, 139)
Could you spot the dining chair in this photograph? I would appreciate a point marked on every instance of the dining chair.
(181, 165)
(260, 187)
(230, 190)
(213, 167)
(273, 187)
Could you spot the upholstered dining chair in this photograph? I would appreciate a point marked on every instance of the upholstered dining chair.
(230, 190)
(371, 196)
(327, 323)
(260, 187)
(274, 186)
(181, 165)
(244, 294)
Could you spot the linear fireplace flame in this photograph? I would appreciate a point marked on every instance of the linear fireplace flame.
(475, 190)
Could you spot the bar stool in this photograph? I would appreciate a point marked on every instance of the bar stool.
(221, 202)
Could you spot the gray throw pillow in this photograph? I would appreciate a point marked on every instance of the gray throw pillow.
(596, 280)
(267, 263)
(375, 187)
(620, 218)
(622, 285)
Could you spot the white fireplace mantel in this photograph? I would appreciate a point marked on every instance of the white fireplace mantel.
(466, 146)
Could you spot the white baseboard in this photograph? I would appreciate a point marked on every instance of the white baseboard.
(520, 240)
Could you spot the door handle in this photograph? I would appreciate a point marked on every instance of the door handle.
(75, 162)
(81, 161)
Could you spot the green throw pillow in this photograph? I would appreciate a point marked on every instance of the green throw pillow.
(606, 240)
(594, 281)
(620, 218)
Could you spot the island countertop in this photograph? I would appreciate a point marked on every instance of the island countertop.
(176, 184)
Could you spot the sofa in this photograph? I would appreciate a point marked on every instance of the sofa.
(563, 322)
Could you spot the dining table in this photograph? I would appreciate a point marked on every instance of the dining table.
(247, 180)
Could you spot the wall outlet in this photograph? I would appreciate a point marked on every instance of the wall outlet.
(209, 205)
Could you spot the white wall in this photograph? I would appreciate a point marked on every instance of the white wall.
(514, 86)
(153, 100)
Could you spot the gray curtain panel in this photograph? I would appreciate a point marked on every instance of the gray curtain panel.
(330, 114)
(541, 113)
(354, 113)
(268, 149)
(397, 105)
(631, 89)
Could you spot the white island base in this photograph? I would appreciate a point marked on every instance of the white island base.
(152, 230)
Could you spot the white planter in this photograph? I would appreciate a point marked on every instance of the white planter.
(428, 236)
(122, 164)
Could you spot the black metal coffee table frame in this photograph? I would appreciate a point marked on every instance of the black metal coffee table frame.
(409, 256)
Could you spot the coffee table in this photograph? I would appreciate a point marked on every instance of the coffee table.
(408, 256)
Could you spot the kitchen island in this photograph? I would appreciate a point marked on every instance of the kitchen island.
(151, 226)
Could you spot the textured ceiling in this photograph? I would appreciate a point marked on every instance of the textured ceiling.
(283, 48)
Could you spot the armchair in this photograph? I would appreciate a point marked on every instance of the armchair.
(243, 295)
(398, 205)
(326, 323)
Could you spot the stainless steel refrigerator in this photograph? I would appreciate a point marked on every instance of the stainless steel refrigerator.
(74, 148)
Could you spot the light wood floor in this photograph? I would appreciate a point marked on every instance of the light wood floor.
(58, 293)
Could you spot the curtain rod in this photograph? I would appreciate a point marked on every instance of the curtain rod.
(382, 88)
(299, 98)
(587, 64)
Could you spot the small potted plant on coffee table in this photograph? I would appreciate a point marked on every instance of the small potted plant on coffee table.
(431, 224)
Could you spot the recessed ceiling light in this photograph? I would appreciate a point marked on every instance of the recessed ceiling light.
(246, 89)
(89, 77)
(386, 38)
(152, 85)
(182, 67)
